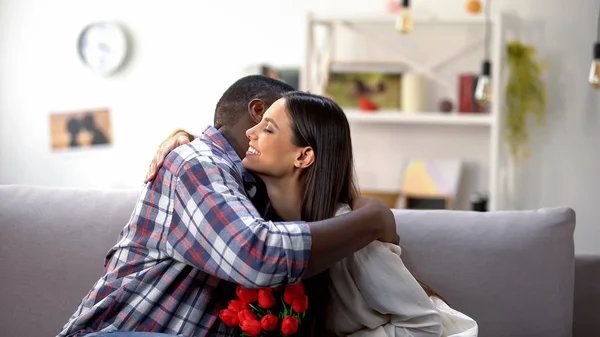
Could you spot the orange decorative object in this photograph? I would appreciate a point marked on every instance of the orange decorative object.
(366, 104)
(473, 6)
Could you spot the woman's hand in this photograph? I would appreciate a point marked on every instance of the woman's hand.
(177, 138)
(387, 219)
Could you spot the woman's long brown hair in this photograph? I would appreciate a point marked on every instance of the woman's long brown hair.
(320, 123)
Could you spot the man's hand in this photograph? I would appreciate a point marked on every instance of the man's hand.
(386, 219)
(177, 138)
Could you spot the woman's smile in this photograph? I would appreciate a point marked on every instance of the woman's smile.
(252, 151)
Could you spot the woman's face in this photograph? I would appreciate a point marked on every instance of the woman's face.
(271, 151)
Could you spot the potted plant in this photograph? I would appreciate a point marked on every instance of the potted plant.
(525, 97)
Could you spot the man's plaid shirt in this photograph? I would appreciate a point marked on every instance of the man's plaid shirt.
(193, 227)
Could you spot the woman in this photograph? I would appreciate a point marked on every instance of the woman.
(302, 151)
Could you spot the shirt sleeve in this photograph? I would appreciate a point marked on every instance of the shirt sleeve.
(216, 229)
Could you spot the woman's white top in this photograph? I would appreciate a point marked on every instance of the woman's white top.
(373, 294)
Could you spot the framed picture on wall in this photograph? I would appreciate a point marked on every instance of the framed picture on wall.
(80, 129)
(365, 86)
(431, 183)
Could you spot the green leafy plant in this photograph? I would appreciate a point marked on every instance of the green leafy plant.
(525, 97)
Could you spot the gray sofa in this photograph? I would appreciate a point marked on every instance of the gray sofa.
(514, 272)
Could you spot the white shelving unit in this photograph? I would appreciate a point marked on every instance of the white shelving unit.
(358, 18)
(322, 53)
(431, 118)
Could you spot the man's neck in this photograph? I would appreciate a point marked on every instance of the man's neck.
(286, 197)
(239, 144)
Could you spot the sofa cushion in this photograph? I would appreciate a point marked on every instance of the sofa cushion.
(511, 271)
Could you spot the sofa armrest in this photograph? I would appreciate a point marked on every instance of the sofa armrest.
(586, 315)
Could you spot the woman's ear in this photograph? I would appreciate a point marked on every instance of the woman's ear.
(305, 158)
(256, 109)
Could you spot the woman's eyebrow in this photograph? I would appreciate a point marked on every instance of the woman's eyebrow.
(272, 122)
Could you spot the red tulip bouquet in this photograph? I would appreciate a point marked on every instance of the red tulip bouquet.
(268, 311)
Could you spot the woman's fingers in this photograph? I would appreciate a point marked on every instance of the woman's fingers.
(163, 150)
(151, 171)
(160, 159)
(183, 139)
(167, 147)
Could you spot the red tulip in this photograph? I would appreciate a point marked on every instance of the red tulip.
(289, 325)
(268, 322)
(296, 289)
(288, 297)
(246, 295)
(266, 298)
(245, 315)
(230, 318)
(237, 305)
(251, 327)
(300, 304)
(292, 291)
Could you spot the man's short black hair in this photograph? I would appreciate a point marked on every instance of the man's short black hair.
(235, 100)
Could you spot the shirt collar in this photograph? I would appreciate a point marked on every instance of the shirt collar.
(214, 136)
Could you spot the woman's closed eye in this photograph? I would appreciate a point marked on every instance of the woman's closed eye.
(267, 130)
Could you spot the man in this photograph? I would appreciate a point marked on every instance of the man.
(194, 234)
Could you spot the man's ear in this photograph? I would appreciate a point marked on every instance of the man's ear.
(256, 109)
(305, 158)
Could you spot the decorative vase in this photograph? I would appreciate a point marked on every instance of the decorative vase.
(413, 93)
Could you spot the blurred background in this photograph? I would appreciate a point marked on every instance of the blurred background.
(180, 56)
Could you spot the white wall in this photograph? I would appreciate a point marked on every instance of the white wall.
(186, 52)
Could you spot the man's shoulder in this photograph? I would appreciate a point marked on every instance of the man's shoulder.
(201, 148)
(200, 152)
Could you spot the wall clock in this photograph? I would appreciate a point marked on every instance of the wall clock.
(103, 47)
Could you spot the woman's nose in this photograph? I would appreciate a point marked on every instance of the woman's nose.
(250, 133)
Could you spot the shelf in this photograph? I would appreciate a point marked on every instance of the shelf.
(427, 118)
(390, 19)
(327, 33)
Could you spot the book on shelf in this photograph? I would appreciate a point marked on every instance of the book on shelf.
(466, 95)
